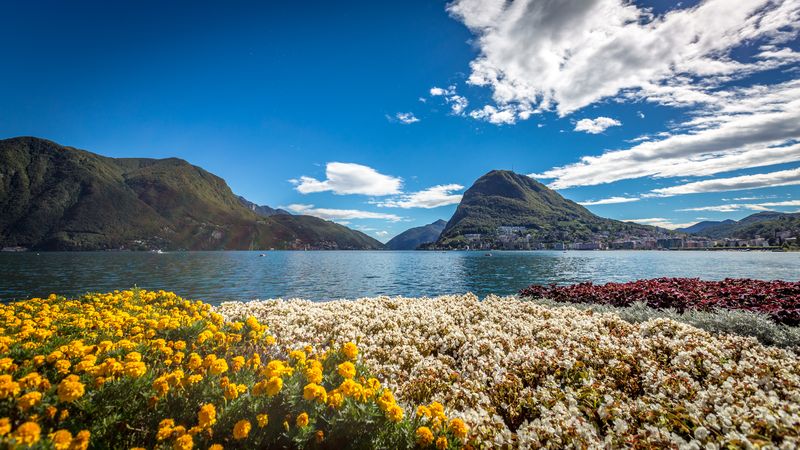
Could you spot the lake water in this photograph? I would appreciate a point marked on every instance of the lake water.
(324, 275)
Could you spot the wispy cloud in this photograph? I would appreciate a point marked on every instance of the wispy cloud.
(660, 222)
(340, 214)
(597, 125)
(731, 207)
(350, 178)
(610, 200)
(458, 103)
(406, 118)
(433, 197)
(762, 180)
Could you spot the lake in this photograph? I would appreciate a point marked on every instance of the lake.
(325, 275)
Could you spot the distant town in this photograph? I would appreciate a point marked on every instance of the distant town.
(518, 238)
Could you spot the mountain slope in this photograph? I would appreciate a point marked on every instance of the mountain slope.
(766, 224)
(262, 210)
(503, 198)
(61, 198)
(414, 237)
(706, 224)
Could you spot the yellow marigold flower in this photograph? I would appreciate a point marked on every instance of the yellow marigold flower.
(8, 387)
(262, 420)
(273, 386)
(184, 442)
(5, 426)
(161, 386)
(70, 389)
(395, 413)
(441, 443)
(350, 350)
(133, 357)
(193, 379)
(165, 428)
(218, 366)
(6, 364)
(252, 322)
(302, 420)
(298, 355)
(230, 392)
(63, 415)
(437, 408)
(335, 399)
(347, 370)
(319, 436)
(423, 411)
(81, 440)
(237, 362)
(28, 433)
(195, 362)
(61, 439)
(242, 429)
(424, 436)
(459, 428)
(62, 366)
(29, 400)
(373, 384)
(277, 368)
(134, 369)
(314, 391)
(215, 447)
(207, 415)
(386, 400)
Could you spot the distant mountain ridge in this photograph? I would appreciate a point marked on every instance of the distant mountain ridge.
(766, 224)
(61, 198)
(262, 210)
(502, 201)
(412, 238)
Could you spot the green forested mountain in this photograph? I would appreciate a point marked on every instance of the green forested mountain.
(766, 224)
(61, 198)
(503, 198)
(414, 237)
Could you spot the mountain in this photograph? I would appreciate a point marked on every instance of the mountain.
(503, 202)
(61, 198)
(706, 224)
(414, 237)
(262, 210)
(767, 224)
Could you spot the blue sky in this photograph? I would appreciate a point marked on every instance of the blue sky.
(379, 115)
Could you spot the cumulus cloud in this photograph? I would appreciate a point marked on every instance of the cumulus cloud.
(567, 54)
(756, 181)
(340, 214)
(610, 200)
(433, 197)
(349, 178)
(597, 125)
(660, 222)
(458, 103)
(406, 117)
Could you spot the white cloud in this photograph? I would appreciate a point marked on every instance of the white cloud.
(660, 222)
(762, 180)
(381, 233)
(437, 91)
(406, 117)
(433, 197)
(493, 115)
(742, 128)
(640, 114)
(596, 126)
(766, 206)
(340, 214)
(567, 54)
(349, 178)
(458, 103)
(610, 200)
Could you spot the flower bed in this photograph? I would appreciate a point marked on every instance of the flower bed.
(526, 375)
(778, 299)
(144, 369)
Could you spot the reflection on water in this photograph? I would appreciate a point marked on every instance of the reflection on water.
(218, 276)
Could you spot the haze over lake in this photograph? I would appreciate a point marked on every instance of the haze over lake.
(325, 275)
